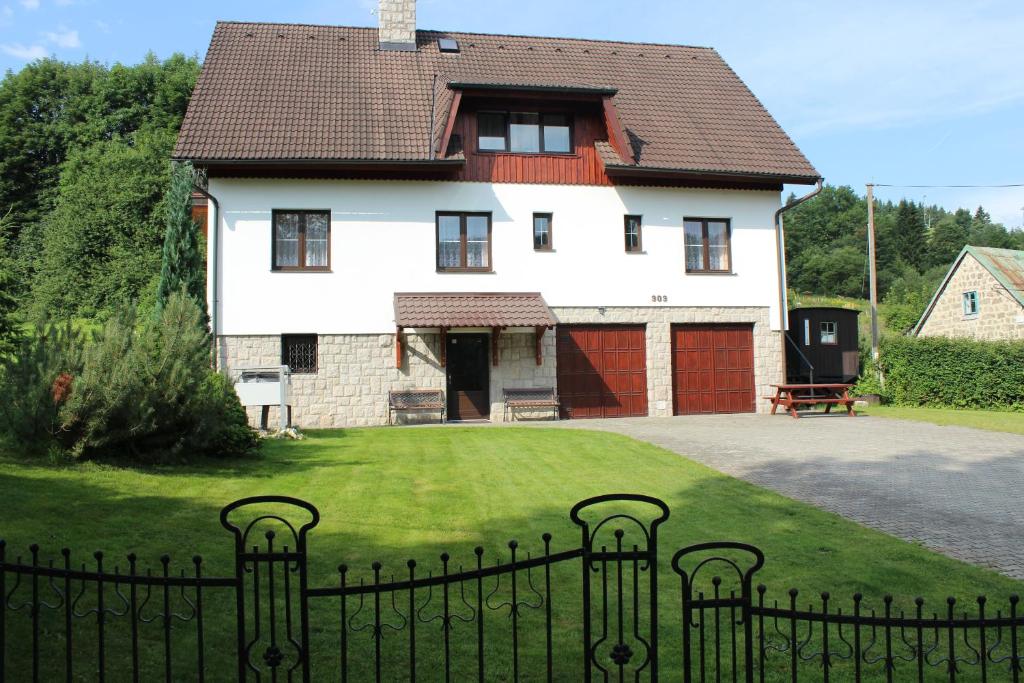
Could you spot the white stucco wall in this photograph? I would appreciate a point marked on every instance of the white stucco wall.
(382, 241)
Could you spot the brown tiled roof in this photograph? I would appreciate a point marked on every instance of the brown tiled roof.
(475, 309)
(328, 93)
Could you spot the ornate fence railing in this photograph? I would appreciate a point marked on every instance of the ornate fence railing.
(592, 612)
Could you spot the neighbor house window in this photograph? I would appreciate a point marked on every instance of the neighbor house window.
(828, 333)
(299, 352)
(524, 132)
(707, 245)
(464, 242)
(302, 240)
(542, 231)
(634, 241)
(970, 303)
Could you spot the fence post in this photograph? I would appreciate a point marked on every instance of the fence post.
(276, 564)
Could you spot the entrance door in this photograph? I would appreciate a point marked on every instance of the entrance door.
(468, 385)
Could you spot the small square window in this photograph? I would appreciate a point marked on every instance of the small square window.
(299, 352)
(634, 239)
(492, 132)
(970, 303)
(542, 231)
(829, 332)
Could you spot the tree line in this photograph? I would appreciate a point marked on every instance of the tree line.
(826, 247)
(84, 168)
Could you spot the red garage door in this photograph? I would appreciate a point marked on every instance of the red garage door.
(713, 369)
(602, 370)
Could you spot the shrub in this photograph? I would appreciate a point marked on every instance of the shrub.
(36, 379)
(956, 373)
(141, 389)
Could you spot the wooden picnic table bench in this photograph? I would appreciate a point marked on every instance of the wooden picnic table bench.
(415, 399)
(533, 397)
(790, 396)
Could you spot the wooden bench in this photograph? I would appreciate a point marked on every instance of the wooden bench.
(415, 399)
(534, 397)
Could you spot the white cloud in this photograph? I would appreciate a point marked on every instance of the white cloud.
(26, 52)
(63, 37)
(30, 4)
(102, 25)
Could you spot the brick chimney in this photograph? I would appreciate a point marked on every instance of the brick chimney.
(396, 28)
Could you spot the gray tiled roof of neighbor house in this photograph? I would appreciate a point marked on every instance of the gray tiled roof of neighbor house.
(289, 92)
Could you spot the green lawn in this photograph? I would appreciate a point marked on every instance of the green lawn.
(995, 420)
(394, 494)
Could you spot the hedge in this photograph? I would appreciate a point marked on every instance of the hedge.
(955, 373)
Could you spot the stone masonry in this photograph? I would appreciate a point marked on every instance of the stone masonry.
(396, 22)
(999, 315)
(356, 371)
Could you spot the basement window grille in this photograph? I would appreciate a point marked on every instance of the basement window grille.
(299, 353)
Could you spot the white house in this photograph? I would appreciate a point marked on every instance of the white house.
(393, 208)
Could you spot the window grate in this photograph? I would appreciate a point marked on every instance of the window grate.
(299, 352)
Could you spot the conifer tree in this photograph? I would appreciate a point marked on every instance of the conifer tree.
(182, 268)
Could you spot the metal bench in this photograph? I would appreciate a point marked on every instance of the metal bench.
(535, 397)
(415, 399)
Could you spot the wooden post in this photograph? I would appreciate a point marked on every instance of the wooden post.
(538, 336)
(495, 333)
(872, 276)
(398, 347)
(444, 346)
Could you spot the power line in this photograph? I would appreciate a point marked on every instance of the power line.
(949, 186)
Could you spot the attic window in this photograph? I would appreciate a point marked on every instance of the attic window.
(447, 45)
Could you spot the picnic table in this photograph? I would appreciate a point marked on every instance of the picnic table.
(790, 396)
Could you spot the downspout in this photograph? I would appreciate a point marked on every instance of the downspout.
(213, 245)
(780, 257)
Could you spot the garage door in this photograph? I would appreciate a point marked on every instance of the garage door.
(713, 369)
(602, 370)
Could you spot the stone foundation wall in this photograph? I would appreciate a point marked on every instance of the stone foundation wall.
(999, 315)
(659, 321)
(356, 371)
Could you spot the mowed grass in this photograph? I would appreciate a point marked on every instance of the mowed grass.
(995, 420)
(392, 494)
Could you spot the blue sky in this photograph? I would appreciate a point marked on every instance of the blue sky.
(905, 91)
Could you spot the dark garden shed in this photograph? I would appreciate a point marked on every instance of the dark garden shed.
(823, 345)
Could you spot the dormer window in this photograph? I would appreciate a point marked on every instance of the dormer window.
(524, 132)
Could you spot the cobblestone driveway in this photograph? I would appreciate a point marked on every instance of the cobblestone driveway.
(956, 490)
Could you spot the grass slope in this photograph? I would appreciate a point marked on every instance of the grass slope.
(395, 494)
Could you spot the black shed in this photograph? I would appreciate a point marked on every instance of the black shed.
(822, 345)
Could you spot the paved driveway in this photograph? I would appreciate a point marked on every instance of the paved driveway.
(957, 490)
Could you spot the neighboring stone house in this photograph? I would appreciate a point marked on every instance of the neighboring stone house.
(982, 297)
(393, 208)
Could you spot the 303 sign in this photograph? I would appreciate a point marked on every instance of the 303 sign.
(659, 298)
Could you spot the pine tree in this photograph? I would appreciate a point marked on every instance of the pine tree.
(8, 300)
(911, 234)
(182, 267)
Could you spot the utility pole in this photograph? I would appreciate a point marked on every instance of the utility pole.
(872, 277)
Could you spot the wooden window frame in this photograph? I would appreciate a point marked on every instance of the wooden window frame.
(300, 338)
(705, 242)
(463, 215)
(639, 248)
(835, 332)
(551, 231)
(972, 296)
(302, 242)
(540, 132)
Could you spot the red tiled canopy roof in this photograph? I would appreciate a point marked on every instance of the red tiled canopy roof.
(316, 94)
(476, 309)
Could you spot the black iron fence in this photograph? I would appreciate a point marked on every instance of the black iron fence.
(594, 611)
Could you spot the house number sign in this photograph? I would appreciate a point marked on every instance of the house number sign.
(659, 298)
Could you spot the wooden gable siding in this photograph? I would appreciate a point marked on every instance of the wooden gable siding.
(582, 167)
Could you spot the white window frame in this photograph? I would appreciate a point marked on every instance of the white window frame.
(971, 300)
(834, 334)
